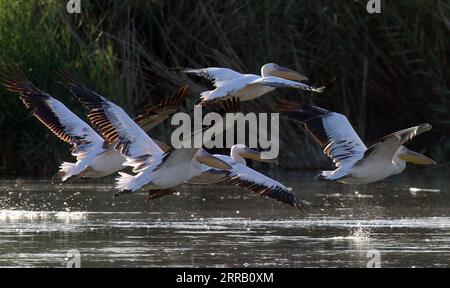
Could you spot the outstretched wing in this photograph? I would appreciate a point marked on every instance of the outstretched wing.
(155, 115)
(253, 181)
(114, 123)
(386, 147)
(214, 74)
(331, 130)
(54, 115)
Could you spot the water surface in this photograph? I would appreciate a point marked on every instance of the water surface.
(223, 226)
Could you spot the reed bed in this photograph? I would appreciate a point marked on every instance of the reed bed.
(392, 69)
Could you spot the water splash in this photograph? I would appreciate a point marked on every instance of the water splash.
(361, 234)
(14, 216)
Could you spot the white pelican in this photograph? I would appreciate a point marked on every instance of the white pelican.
(242, 176)
(95, 158)
(356, 164)
(156, 169)
(230, 83)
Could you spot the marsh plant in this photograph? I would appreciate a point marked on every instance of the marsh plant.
(391, 68)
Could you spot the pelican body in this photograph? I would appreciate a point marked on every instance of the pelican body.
(356, 164)
(246, 87)
(103, 164)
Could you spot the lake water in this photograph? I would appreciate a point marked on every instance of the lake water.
(390, 223)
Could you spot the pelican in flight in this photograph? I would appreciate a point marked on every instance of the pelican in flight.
(356, 164)
(242, 176)
(154, 168)
(95, 158)
(230, 83)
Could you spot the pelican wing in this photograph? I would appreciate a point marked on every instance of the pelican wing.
(331, 130)
(386, 147)
(114, 124)
(227, 89)
(209, 176)
(253, 181)
(173, 157)
(276, 82)
(155, 115)
(55, 116)
(217, 75)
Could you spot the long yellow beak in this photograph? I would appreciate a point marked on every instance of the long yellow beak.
(289, 74)
(416, 158)
(255, 155)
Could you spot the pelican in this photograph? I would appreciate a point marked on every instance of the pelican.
(153, 167)
(356, 164)
(230, 83)
(242, 176)
(95, 158)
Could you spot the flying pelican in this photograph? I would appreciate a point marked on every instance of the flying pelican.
(356, 164)
(242, 176)
(230, 83)
(156, 169)
(95, 158)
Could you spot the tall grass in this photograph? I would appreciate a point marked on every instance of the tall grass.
(392, 69)
(36, 36)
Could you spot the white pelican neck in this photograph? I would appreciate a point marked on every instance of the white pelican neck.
(267, 69)
(235, 154)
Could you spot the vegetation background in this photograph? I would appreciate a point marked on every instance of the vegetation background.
(392, 69)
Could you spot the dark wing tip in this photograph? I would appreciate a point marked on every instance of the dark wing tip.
(304, 113)
(87, 97)
(292, 106)
(286, 197)
(94, 104)
(168, 105)
(181, 95)
(278, 194)
(14, 80)
(156, 114)
(69, 77)
(176, 100)
(302, 206)
(288, 106)
(222, 106)
(36, 100)
(232, 105)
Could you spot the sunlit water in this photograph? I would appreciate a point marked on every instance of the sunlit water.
(222, 226)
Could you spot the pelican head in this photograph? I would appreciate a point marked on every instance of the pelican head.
(240, 152)
(413, 157)
(272, 69)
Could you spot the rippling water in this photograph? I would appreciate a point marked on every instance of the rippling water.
(222, 226)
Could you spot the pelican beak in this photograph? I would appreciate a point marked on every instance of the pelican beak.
(211, 161)
(288, 74)
(255, 155)
(416, 158)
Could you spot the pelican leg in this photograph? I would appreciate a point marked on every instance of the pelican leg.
(85, 172)
(158, 193)
(117, 194)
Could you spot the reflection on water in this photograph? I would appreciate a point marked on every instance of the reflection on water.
(407, 220)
